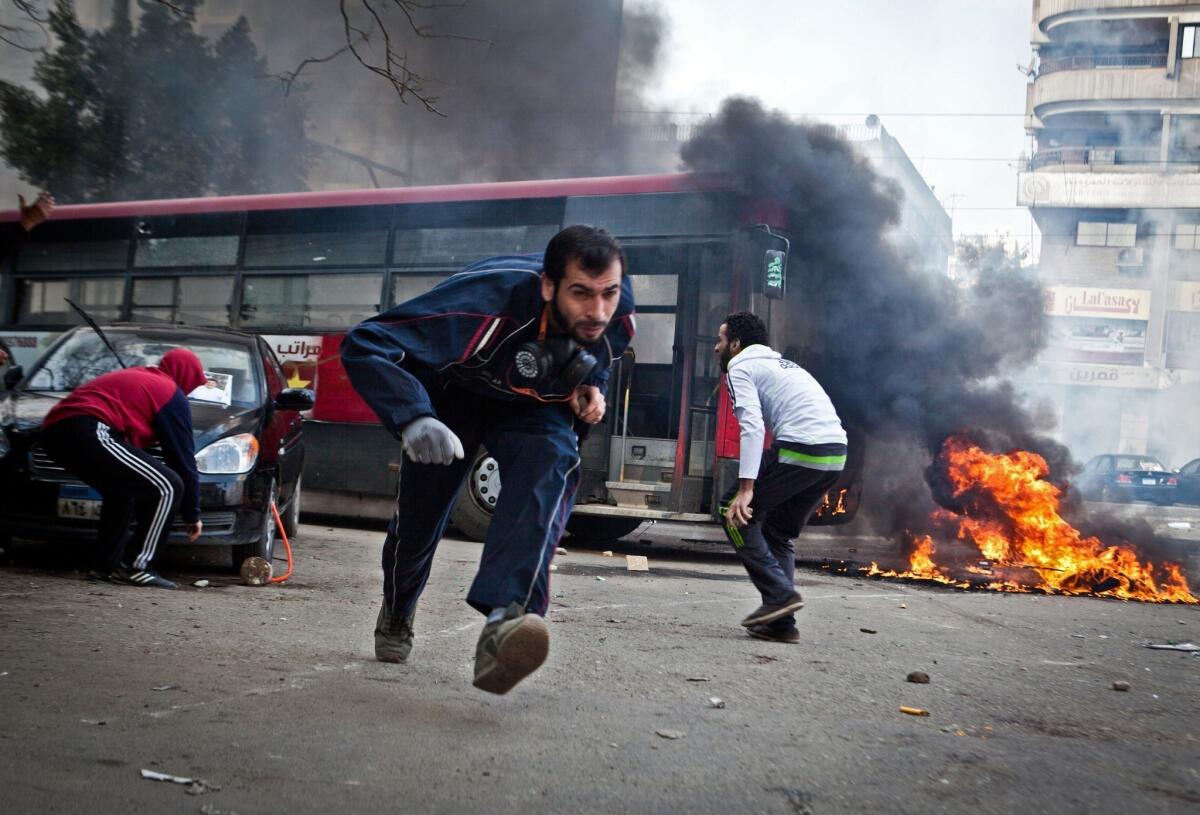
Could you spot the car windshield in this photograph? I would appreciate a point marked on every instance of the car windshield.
(83, 357)
(1138, 463)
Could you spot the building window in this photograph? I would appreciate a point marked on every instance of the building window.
(1188, 49)
(1187, 236)
(1095, 233)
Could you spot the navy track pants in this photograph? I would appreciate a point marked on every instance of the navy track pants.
(537, 450)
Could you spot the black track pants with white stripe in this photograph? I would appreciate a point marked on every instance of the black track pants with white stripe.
(132, 483)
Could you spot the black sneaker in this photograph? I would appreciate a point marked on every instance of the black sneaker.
(510, 650)
(393, 636)
(768, 613)
(141, 577)
(766, 632)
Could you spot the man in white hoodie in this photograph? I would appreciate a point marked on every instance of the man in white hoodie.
(780, 487)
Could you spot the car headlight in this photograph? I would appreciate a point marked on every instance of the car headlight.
(232, 454)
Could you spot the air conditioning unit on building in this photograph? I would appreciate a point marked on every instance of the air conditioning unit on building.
(1131, 257)
(1102, 155)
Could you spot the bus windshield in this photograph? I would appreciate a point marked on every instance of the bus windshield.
(84, 356)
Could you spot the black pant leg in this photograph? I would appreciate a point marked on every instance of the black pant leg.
(128, 477)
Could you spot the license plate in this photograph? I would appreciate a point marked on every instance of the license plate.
(1150, 482)
(79, 502)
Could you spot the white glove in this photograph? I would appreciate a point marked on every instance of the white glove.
(428, 441)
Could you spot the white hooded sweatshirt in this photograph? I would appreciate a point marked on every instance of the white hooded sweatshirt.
(763, 385)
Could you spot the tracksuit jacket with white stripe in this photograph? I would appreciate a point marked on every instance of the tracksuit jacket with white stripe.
(465, 331)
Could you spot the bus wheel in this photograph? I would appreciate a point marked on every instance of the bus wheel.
(477, 499)
(600, 527)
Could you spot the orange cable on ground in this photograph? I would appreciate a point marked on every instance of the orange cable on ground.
(287, 547)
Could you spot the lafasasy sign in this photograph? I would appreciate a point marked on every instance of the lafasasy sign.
(1124, 304)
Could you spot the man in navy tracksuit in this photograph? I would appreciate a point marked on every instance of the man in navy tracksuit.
(99, 433)
(513, 354)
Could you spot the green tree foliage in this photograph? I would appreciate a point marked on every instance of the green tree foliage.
(152, 111)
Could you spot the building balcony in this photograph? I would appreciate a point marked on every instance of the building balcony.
(1084, 62)
(1049, 14)
(1109, 159)
(1129, 89)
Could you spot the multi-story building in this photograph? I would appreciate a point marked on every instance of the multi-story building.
(924, 231)
(1113, 109)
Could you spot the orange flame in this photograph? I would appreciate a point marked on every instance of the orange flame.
(1009, 512)
(826, 507)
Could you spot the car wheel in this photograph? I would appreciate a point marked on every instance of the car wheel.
(472, 514)
(264, 547)
(1106, 494)
(600, 527)
(291, 515)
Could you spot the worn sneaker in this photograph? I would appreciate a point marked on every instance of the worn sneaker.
(141, 577)
(768, 613)
(393, 636)
(766, 632)
(510, 650)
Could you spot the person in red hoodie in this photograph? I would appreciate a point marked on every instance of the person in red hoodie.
(99, 433)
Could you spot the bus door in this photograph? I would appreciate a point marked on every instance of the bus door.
(661, 396)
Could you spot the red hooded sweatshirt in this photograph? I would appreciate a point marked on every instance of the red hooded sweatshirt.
(146, 405)
(129, 400)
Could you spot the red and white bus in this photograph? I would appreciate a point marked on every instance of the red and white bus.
(300, 269)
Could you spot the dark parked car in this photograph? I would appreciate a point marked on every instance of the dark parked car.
(249, 446)
(1121, 477)
(1189, 483)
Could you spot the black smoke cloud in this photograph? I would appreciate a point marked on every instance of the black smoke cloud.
(524, 89)
(908, 357)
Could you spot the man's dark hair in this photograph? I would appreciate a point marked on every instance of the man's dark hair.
(592, 246)
(746, 327)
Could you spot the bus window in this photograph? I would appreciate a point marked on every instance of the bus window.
(316, 248)
(215, 250)
(406, 287)
(73, 256)
(327, 301)
(346, 236)
(655, 290)
(187, 300)
(45, 301)
(655, 340)
(460, 246)
(196, 241)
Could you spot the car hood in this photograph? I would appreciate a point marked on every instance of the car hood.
(22, 412)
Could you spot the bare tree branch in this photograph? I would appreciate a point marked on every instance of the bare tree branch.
(393, 67)
(16, 35)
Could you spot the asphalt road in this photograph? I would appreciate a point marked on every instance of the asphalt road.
(272, 695)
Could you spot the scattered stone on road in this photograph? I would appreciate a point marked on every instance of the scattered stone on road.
(918, 678)
(1119, 685)
(671, 734)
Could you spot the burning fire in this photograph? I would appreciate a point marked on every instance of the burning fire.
(1009, 514)
(827, 507)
